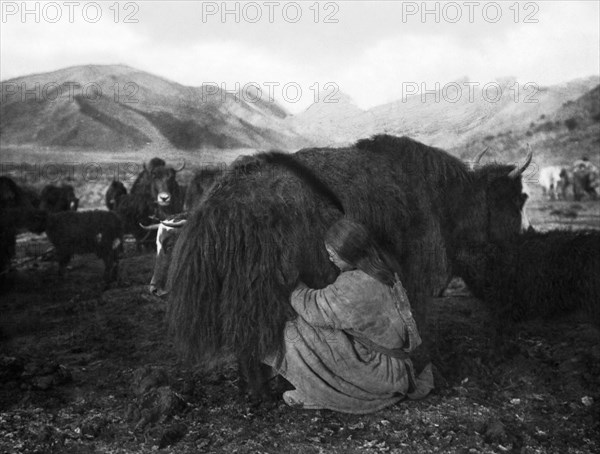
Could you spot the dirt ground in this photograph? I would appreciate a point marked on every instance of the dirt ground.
(84, 370)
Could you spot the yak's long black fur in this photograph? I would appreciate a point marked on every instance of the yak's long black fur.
(305, 174)
(536, 275)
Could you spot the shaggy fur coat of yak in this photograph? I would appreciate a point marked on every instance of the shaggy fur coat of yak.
(260, 230)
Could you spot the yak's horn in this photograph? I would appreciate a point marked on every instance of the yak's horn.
(475, 162)
(480, 155)
(180, 168)
(150, 227)
(169, 223)
(518, 171)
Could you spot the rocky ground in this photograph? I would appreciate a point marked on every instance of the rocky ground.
(84, 370)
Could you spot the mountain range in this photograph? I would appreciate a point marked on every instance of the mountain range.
(115, 107)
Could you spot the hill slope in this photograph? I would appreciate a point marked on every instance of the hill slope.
(115, 107)
(556, 138)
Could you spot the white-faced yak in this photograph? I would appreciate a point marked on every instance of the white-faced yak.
(535, 275)
(158, 182)
(154, 194)
(260, 230)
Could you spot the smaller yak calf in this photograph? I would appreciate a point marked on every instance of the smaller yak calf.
(537, 275)
(85, 232)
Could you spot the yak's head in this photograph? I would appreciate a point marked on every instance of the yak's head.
(499, 194)
(167, 233)
(115, 191)
(58, 198)
(164, 188)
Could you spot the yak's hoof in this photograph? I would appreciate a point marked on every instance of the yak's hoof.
(261, 399)
(439, 381)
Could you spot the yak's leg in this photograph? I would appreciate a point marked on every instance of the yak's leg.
(109, 265)
(254, 381)
(115, 268)
(63, 261)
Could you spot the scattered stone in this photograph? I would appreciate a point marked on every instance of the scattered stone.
(494, 431)
(157, 405)
(587, 401)
(172, 435)
(91, 427)
(146, 378)
(11, 368)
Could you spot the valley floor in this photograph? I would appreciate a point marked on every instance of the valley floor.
(87, 371)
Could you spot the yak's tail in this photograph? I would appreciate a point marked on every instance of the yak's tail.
(304, 173)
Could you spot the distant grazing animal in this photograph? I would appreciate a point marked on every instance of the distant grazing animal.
(260, 230)
(202, 181)
(58, 198)
(115, 191)
(585, 178)
(536, 275)
(553, 182)
(167, 233)
(85, 232)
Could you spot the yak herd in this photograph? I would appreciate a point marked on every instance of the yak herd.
(580, 179)
(250, 232)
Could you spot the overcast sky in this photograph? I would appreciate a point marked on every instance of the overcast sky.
(368, 49)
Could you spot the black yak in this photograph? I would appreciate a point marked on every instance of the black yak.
(154, 194)
(15, 204)
(158, 182)
(144, 179)
(114, 193)
(535, 275)
(133, 210)
(58, 198)
(260, 230)
(86, 232)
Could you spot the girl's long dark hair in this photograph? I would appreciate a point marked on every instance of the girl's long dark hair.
(355, 245)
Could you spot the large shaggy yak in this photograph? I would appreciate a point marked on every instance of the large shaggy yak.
(260, 230)
(202, 181)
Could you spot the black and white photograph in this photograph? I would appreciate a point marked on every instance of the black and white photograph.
(300, 227)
